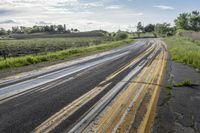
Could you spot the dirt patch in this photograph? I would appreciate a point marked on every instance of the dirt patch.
(178, 111)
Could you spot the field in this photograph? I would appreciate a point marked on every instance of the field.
(191, 34)
(184, 50)
(13, 62)
(14, 47)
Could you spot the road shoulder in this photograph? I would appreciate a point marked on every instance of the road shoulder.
(178, 107)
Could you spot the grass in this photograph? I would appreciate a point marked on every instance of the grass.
(184, 83)
(23, 47)
(169, 90)
(184, 50)
(14, 62)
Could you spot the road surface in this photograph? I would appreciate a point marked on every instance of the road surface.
(116, 91)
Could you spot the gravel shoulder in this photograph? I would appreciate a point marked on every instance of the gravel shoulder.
(178, 108)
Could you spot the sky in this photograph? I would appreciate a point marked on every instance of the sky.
(110, 15)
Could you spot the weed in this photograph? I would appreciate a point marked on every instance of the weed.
(184, 83)
(169, 90)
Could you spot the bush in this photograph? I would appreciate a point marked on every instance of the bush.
(121, 36)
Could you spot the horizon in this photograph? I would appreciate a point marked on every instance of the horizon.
(86, 15)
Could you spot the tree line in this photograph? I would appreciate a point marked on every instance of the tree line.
(185, 21)
(37, 29)
(188, 21)
(160, 29)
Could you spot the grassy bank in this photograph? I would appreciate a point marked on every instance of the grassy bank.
(184, 50)
(14, 62)
(21, 47)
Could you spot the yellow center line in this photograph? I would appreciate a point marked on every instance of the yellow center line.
(107, 119)
(64, 113)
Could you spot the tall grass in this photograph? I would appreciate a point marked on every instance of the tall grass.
(184, 50)
(14, 62)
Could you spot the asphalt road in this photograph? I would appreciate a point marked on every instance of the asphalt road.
(27, 103)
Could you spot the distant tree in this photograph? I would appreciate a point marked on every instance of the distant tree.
(194, 21)
(64, 27)
(140, 28)
(121, 36)
(164, 29)
(9, 32)
(76, 30)
(16, 30)
(149, 28)
(60, 29)
(47, 28)
(53, 28)
(188, 21)
(3, 31)
(182, 21)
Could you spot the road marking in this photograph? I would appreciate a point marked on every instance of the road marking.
(11, 90)
(83, 123)
(115, 116)
(63, 114)
(116, 110)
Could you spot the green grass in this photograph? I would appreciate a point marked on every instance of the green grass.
(169, 90)
(184, 83)
(184, 50)
(14, 62)
(23, 47)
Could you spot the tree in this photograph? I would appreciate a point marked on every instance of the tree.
(16, 30)
(121, 36)
(164, 29)
(149, 28)
(182, 21)
(9, 32)
(53, 28)
(188, 21)
(194, 21)
(140, 28)
(3, 31)
(60, 29)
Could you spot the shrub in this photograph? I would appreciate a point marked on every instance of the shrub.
(121, 36)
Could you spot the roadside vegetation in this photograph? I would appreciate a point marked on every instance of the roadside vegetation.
(184, 47)
(14, 62)
(184, 50)
(23, 46)
(184, 83)
(15, 47)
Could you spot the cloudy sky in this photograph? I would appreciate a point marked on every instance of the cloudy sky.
(92, 14)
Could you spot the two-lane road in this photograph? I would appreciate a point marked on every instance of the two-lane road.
(58, 100)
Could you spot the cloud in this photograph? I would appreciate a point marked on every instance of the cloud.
(81, 14)
(43, 23)
(8, 22)
(163, 7)
(136, 14)
(114, 7)
(4, 11)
